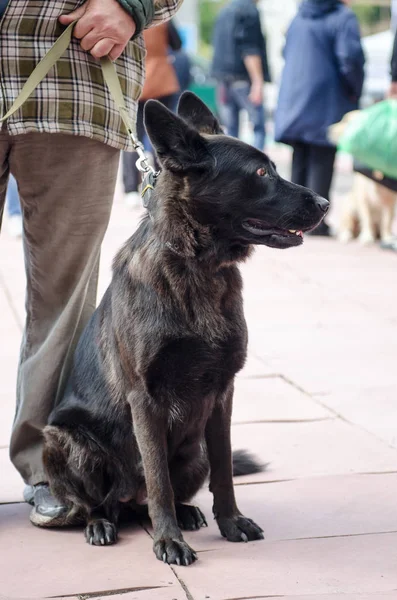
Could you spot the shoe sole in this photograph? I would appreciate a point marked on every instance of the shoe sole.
(62, 520)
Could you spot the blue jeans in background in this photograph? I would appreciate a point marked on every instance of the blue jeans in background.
(12, 201)
(233, 97)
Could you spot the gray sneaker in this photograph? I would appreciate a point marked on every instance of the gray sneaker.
(47, 511)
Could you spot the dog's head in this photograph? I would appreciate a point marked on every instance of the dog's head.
(232, 187)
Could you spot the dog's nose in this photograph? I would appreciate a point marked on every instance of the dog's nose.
(322, 204)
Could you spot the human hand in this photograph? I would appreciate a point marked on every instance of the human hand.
(103, 27)
(392, 90)
(256, 93)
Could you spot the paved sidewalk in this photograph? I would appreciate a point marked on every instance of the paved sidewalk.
(317, 400)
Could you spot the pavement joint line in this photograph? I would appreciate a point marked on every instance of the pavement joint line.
(281, 421)
(107, 593)
(261, 597)
(330, 537)
(182, 584)
(338, 415)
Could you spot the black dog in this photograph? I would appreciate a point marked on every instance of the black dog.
(147, 411)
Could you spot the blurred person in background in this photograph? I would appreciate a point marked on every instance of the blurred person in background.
(13, 207)
(181, 62)
(240, 67)
(393, 86)
(322, 81)
(161, 84)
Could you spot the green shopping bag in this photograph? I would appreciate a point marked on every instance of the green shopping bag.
(371, 137)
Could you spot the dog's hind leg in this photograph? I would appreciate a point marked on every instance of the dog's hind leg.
(79, 476)
(388, 202)
(364, 190)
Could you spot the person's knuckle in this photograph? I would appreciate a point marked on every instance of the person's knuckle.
(98, 18)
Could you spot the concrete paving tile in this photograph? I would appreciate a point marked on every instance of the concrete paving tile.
(11, 483)
(324, 359)
(337, 596)
(345, 565)
(308, 508)
(7, 403)
(163, 594)
(9, 348)
(374, 596)
(372, 408)
(45, 563)
(254, 367)
(273, 399)
(295, 450)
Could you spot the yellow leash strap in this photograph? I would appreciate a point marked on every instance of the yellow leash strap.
(110, 76)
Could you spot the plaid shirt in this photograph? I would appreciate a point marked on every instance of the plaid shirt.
(73, 98)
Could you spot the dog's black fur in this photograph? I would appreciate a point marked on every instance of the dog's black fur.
(148, 406)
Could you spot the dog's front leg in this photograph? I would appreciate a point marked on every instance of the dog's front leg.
(232, 524)
(150, 429)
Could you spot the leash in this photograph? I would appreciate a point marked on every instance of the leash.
(113, 82)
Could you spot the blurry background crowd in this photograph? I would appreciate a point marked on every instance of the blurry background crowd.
(280, 72)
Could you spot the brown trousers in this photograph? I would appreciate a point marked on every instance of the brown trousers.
(66, 186)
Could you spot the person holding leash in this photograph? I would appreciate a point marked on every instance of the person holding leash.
(63, 148)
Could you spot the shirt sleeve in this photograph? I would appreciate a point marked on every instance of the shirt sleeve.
(150, 12)
(164, 10)
(249, 34)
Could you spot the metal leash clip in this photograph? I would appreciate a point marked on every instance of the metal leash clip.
(142, 164)
(150, 174)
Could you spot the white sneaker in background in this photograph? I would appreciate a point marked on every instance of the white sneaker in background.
(133, 200)
(14, 226)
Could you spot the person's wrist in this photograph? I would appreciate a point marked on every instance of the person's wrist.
(141, 11)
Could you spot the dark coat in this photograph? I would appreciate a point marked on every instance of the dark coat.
(394, 60)
(3, 6)
(324, 72)
(237, 34)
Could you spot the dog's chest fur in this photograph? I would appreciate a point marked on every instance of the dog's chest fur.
(188, 331)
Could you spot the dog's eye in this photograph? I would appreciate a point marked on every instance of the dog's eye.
(262, 172)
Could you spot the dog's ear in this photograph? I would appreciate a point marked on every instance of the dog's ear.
(197, 114)
(178, 146)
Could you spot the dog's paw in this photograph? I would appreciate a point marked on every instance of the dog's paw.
(366, 238)
(101, 533)
(386, 238)
(174, 552)
(240, 529)
(345, 236)
(190, 518)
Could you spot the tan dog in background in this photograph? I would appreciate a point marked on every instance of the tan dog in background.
(370, 206)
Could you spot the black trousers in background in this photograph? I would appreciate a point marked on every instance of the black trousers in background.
(131, 177)
(313, 167)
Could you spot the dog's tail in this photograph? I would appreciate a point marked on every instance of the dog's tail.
(245, 463)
